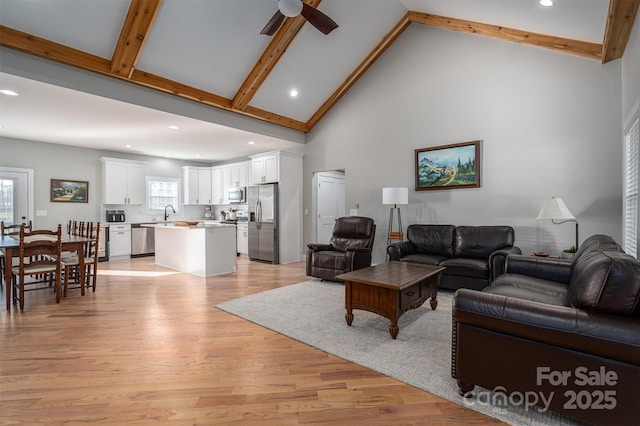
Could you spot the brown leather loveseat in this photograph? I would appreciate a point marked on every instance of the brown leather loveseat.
(566, 331)
(472, 255)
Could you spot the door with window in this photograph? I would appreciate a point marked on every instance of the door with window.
(16, 195)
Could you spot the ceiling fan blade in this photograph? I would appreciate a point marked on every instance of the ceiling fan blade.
(318, 19)
(273, 24)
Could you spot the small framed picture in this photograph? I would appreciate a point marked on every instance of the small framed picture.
(448, 166)
(69, 191)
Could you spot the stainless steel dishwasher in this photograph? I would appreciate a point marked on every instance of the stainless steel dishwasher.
(143, 240)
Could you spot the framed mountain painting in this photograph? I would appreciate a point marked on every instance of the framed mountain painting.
(448, 166)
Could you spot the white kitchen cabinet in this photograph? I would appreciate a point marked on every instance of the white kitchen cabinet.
(123, 181)
(217, 189)
(239, 174)
(119, 240)
(197, 183)
(265, 168)
(242, 238)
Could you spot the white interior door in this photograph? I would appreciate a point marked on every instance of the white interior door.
(16, 195)
(330, 193)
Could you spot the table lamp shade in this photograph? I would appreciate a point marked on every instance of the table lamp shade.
(396, 195)
(555, 209)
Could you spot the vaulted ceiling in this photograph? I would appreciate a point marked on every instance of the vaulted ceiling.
(211, 52)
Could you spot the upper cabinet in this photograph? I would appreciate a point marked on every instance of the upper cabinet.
(218, 190)
(197, 185)
(123, 181)
(265, 168)
(239, 174)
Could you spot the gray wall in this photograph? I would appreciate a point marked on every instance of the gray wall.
(549, 122)
(51, 161)
(631, 71)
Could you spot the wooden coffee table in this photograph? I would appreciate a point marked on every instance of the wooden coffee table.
(390, 289)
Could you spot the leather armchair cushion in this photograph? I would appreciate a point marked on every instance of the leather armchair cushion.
(528, 284)
(432, 239)
(529, 293)
(478, 242)
(474, 268)
(607, 281)
(352, 231)
(330, 260)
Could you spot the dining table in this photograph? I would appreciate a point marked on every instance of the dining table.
(10, 245)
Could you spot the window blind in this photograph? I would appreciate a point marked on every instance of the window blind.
(630, 196)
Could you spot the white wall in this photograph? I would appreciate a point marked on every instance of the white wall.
(550, 125)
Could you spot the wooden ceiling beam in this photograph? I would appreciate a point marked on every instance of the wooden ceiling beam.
(133, 36)
(576, 47)
(373, 56)
(620, 19)
(162, 84)
(27, 43)
(269, 58)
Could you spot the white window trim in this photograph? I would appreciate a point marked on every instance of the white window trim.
(631, 217)
(175, 205)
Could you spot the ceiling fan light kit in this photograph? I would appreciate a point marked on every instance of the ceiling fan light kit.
(290, 8)
(293, 8)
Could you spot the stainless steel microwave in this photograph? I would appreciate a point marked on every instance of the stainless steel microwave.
(237, 195)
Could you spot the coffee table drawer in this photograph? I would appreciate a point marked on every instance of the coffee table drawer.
(410, 295)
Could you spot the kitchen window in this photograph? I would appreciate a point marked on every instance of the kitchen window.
(162, 191)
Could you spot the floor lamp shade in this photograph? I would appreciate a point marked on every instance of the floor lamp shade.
(395, 195)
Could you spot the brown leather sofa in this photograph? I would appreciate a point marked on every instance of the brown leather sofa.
(473, 255)
(569, 330)
(349, 248)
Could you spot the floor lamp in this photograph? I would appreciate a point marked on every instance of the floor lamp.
(395, 196)
(556, 210)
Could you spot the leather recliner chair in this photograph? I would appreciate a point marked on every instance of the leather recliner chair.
(349, 248)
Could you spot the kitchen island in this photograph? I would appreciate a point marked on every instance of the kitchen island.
(202, 250)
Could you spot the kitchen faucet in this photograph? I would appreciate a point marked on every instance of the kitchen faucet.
(166, 215)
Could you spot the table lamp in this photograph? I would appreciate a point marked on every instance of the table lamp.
(556, 210)
(395, 196)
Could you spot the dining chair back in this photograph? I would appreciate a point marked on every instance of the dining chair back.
(73, 263)
(39, 255)
(6, 229)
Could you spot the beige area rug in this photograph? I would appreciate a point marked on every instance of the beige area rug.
(313, 312)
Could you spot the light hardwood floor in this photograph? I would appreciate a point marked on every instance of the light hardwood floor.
(149, 347)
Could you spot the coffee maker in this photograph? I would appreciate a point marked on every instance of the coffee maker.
(208, 213)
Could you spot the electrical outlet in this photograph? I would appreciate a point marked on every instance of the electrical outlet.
(41, 212)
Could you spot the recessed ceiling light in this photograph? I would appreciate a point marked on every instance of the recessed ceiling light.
(546, 3)
(251, 142)
(128, 146)
(174, 127)
(197, 155)
(8, 92)
(293, 93)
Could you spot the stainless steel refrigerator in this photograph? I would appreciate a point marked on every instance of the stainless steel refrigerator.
(262, 201)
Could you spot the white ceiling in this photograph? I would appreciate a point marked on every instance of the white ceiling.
(212, 45)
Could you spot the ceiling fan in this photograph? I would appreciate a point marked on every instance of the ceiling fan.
(292, 8)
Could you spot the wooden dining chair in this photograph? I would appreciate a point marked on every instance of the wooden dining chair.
(71, 264)
(39, 255)
(9, 230)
